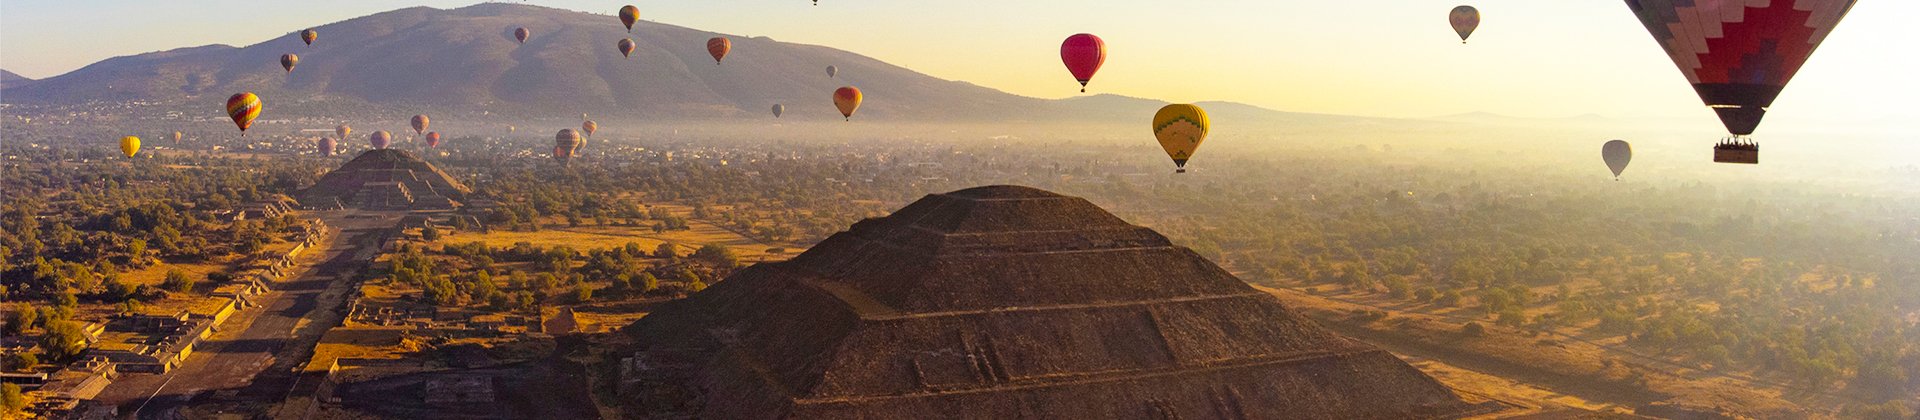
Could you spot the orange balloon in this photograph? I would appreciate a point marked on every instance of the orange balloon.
(848, 100)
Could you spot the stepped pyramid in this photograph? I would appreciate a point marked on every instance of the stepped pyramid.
(1007, 302)
(386, 179)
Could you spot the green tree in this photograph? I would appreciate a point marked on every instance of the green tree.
(177, 281)
(22, 319)
(666, 250)
(63, 340)
(429, 233)
(582, 293)
(718, 255)
(10, 399)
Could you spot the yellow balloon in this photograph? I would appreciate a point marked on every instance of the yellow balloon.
(130, 145)
(1180, 129)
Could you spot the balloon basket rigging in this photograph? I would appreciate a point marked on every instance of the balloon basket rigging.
(1738, 149)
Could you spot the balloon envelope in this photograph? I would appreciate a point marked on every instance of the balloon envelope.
(130, 145)
(243, 108)
(568, 139)
(342, 131)
(589, 127)
(778, 109)
(626, 47)
(308, 36)
(1739, 54)
(433, 139)
(1464, 20)
(420, 123)
(288, 60)
(718, 47)
(848, 100)
(1180, 128)
(176, 137)
(380, 139)
(326, 146)
(832, 71)
(628, 15)
(1617, 153)
(1083, 55)
(522, 34)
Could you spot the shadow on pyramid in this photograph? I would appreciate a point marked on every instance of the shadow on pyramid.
(1007, 302)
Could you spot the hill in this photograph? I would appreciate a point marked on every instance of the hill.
(466, 60)
(8, 78)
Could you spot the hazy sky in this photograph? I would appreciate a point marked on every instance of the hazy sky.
(1536, 58)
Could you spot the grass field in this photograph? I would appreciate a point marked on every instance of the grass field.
(590, 236)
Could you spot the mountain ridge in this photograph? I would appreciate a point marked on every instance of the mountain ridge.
(465, 60)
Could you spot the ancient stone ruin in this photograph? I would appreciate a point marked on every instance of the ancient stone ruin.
(385, 179)
(1007, 302)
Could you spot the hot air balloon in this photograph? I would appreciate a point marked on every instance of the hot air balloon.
(847, 99)
(628, 15)
(1180, 129)
(288, 60)
(718, 47)
(130, 145)
(567, 139)
(243, 108)
(380, 139)
(626, 47)
(1083, 54)
(778, 109)
(510, 130)
(433, 139)
(521, 34)
(1739, 55)
(420, 124)
(832, 71)
(1464, 20)
(308, 36)
(326, 146)
(176, 137)
(342, 131)
(1617, 153)
(562, 153)
(589, 127)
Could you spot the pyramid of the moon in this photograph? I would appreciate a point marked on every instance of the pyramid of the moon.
(1007, 302)
(385, 179)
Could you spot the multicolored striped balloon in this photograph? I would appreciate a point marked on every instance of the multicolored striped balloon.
(848, 100)
(243, 108)
(1180, 128)
(628, 15)
(718, 48)
(420, 124)
(308, 36)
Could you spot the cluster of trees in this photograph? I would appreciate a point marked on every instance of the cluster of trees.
(521, 276)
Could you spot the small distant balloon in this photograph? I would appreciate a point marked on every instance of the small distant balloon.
(567, 139)
(326, 146)
(848, 100)
(433, 139)
(718, 47)
(1617, 154)
(176, 137)
(130, 145)
(510, 130)
(420, 124)
(287, 61)
(589, 127)
(1083, 55)
(1464, 20)
(628, 15)
(1180, 128)
(778, 109)
(243, 108)
(522, 34)
(342, 131)
(308, 36)
(832, 71)
(626, 47)
(380, 139)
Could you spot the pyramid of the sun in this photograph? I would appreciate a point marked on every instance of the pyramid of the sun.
(1008, 302)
